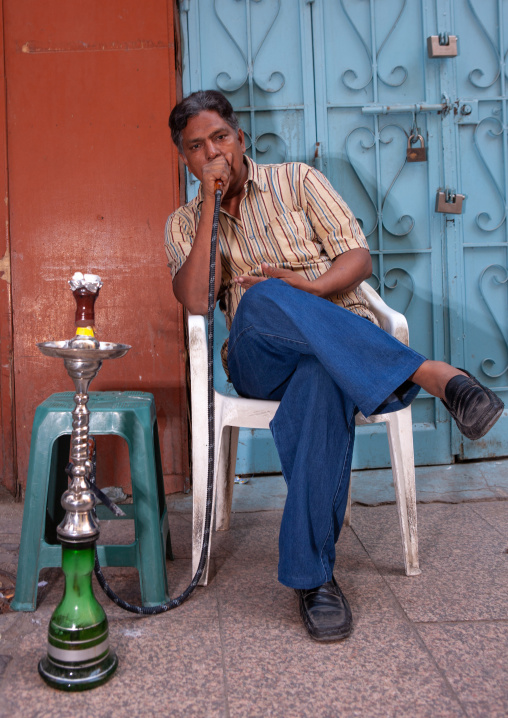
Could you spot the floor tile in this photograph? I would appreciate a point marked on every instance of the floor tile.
(250, 535)
(383, 669)
(432, 645)
(473, 657)
(462, 557)
(163, 670)
(495, 513)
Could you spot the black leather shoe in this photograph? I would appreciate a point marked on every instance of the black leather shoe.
(474, 407)
(325, 612)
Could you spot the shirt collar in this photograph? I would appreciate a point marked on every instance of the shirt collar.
(255, 174)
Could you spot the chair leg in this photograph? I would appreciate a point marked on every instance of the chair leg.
(222, 444)
(400, 437)
(225, 488)
(199, 481)
(347, 515)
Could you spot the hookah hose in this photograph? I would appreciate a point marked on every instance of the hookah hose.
(174, 602)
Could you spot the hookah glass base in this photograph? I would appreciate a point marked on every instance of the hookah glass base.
(78, 655)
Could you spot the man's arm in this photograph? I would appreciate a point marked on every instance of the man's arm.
(190, 284)
(346, 273)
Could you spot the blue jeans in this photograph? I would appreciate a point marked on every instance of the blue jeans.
(323, 363)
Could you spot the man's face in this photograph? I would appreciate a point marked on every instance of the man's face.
(208, 136)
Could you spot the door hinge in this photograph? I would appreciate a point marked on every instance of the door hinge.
(318, 161)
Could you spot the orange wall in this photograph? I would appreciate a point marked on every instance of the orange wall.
(92, 178)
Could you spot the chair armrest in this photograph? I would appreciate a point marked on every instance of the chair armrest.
(391, 321)
(198, 364)
(198, 350)
(196, 326)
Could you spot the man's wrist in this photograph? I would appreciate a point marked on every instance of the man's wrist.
(316, 287)
(207, 207)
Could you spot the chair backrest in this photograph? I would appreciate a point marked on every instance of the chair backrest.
(220, 380)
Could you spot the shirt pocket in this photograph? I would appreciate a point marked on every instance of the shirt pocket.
(292, 238)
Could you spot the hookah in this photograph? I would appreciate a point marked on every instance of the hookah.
(78, 655)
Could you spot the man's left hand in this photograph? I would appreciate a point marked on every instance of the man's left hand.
(287, 275)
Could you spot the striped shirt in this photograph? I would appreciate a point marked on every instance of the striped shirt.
(291, 218)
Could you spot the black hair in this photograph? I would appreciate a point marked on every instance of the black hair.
(194, 104)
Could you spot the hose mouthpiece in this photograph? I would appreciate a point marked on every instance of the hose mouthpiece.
(218, 186)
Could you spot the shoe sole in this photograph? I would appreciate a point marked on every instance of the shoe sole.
(483, 427)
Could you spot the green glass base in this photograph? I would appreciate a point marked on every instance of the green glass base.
(78, 679)
(79, 656)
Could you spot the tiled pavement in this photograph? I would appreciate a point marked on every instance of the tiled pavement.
(431, 645)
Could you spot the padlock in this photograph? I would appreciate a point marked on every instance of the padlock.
(416, 154)
(443, 45)
(449, 202)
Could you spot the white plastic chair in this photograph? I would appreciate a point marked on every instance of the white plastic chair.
(233, 412)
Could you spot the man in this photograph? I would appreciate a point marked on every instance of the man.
(290, 259)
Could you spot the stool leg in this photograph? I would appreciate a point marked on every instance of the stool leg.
(57, 485)
(164, 523)
(42, 458)
(147, 514)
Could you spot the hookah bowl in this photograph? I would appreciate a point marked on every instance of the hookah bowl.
(78, 654)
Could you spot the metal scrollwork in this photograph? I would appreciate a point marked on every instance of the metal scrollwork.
(395, 283)
(367, 232)
(404, 216)
(379, 213)
(374, 282)
(477, 72)
(224, 81)
(484, 217)
(353, 73)
(350, 75)
(398, 68)
(499, 277)
(268, 142)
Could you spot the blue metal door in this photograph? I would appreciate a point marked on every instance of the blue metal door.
(343, 84)
(259, 53)
(477, 244)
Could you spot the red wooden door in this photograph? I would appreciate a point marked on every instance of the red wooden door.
(7, 447)
(92, 178)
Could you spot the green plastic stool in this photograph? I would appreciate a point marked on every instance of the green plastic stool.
(130, 414)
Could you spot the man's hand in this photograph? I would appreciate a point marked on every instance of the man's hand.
(217, 169)
(287, 275)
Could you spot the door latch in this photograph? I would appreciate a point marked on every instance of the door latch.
(448, 202)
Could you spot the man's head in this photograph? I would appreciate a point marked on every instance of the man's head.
(194, 104)
(211, 144)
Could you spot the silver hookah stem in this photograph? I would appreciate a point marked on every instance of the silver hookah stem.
(79, 523)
